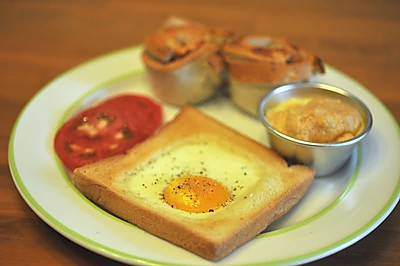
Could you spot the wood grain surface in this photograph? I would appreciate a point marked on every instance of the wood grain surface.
(39, 40)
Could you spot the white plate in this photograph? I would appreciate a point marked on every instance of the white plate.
(336, 212)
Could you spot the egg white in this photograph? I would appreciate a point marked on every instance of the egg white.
(236, 170)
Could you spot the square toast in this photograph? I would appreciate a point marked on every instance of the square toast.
(261, 186)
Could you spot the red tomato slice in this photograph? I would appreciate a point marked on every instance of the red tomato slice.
(107, 129)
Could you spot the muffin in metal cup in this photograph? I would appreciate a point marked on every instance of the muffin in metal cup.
(259, 63)
(330, 122)
(183, 61)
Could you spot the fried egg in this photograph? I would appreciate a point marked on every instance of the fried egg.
(196, 178)
(196, 193)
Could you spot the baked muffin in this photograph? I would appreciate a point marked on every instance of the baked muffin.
(184, 62)
(257, 64)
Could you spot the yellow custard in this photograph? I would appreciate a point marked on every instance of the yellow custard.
(318, 119)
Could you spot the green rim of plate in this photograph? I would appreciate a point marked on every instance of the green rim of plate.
(125, 257)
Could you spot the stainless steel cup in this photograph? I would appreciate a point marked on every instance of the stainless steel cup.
(325, 158)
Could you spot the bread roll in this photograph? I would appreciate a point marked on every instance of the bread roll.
(183, 61)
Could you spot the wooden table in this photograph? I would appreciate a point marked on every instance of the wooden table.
(40, 40)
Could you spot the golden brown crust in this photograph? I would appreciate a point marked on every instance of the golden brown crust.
(266, 59)
(214, 237)
(206, 50)
(179, 42)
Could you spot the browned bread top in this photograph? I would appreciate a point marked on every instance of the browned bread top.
(181, 41)
(267, 59)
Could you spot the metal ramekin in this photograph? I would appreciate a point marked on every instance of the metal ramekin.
(247, 95)
(325, 158)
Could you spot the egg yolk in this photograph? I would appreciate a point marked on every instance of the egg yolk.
(196, 194)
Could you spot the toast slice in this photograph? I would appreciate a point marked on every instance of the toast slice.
(262, 187)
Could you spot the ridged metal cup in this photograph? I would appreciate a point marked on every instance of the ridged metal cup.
(192, 83)
(247, 95)
(325, 158)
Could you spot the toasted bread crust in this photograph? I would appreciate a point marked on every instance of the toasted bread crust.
(213, 238)
(264, 59)
(180, 42)
(206, 50)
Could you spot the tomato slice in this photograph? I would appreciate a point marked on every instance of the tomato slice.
(107, 129)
